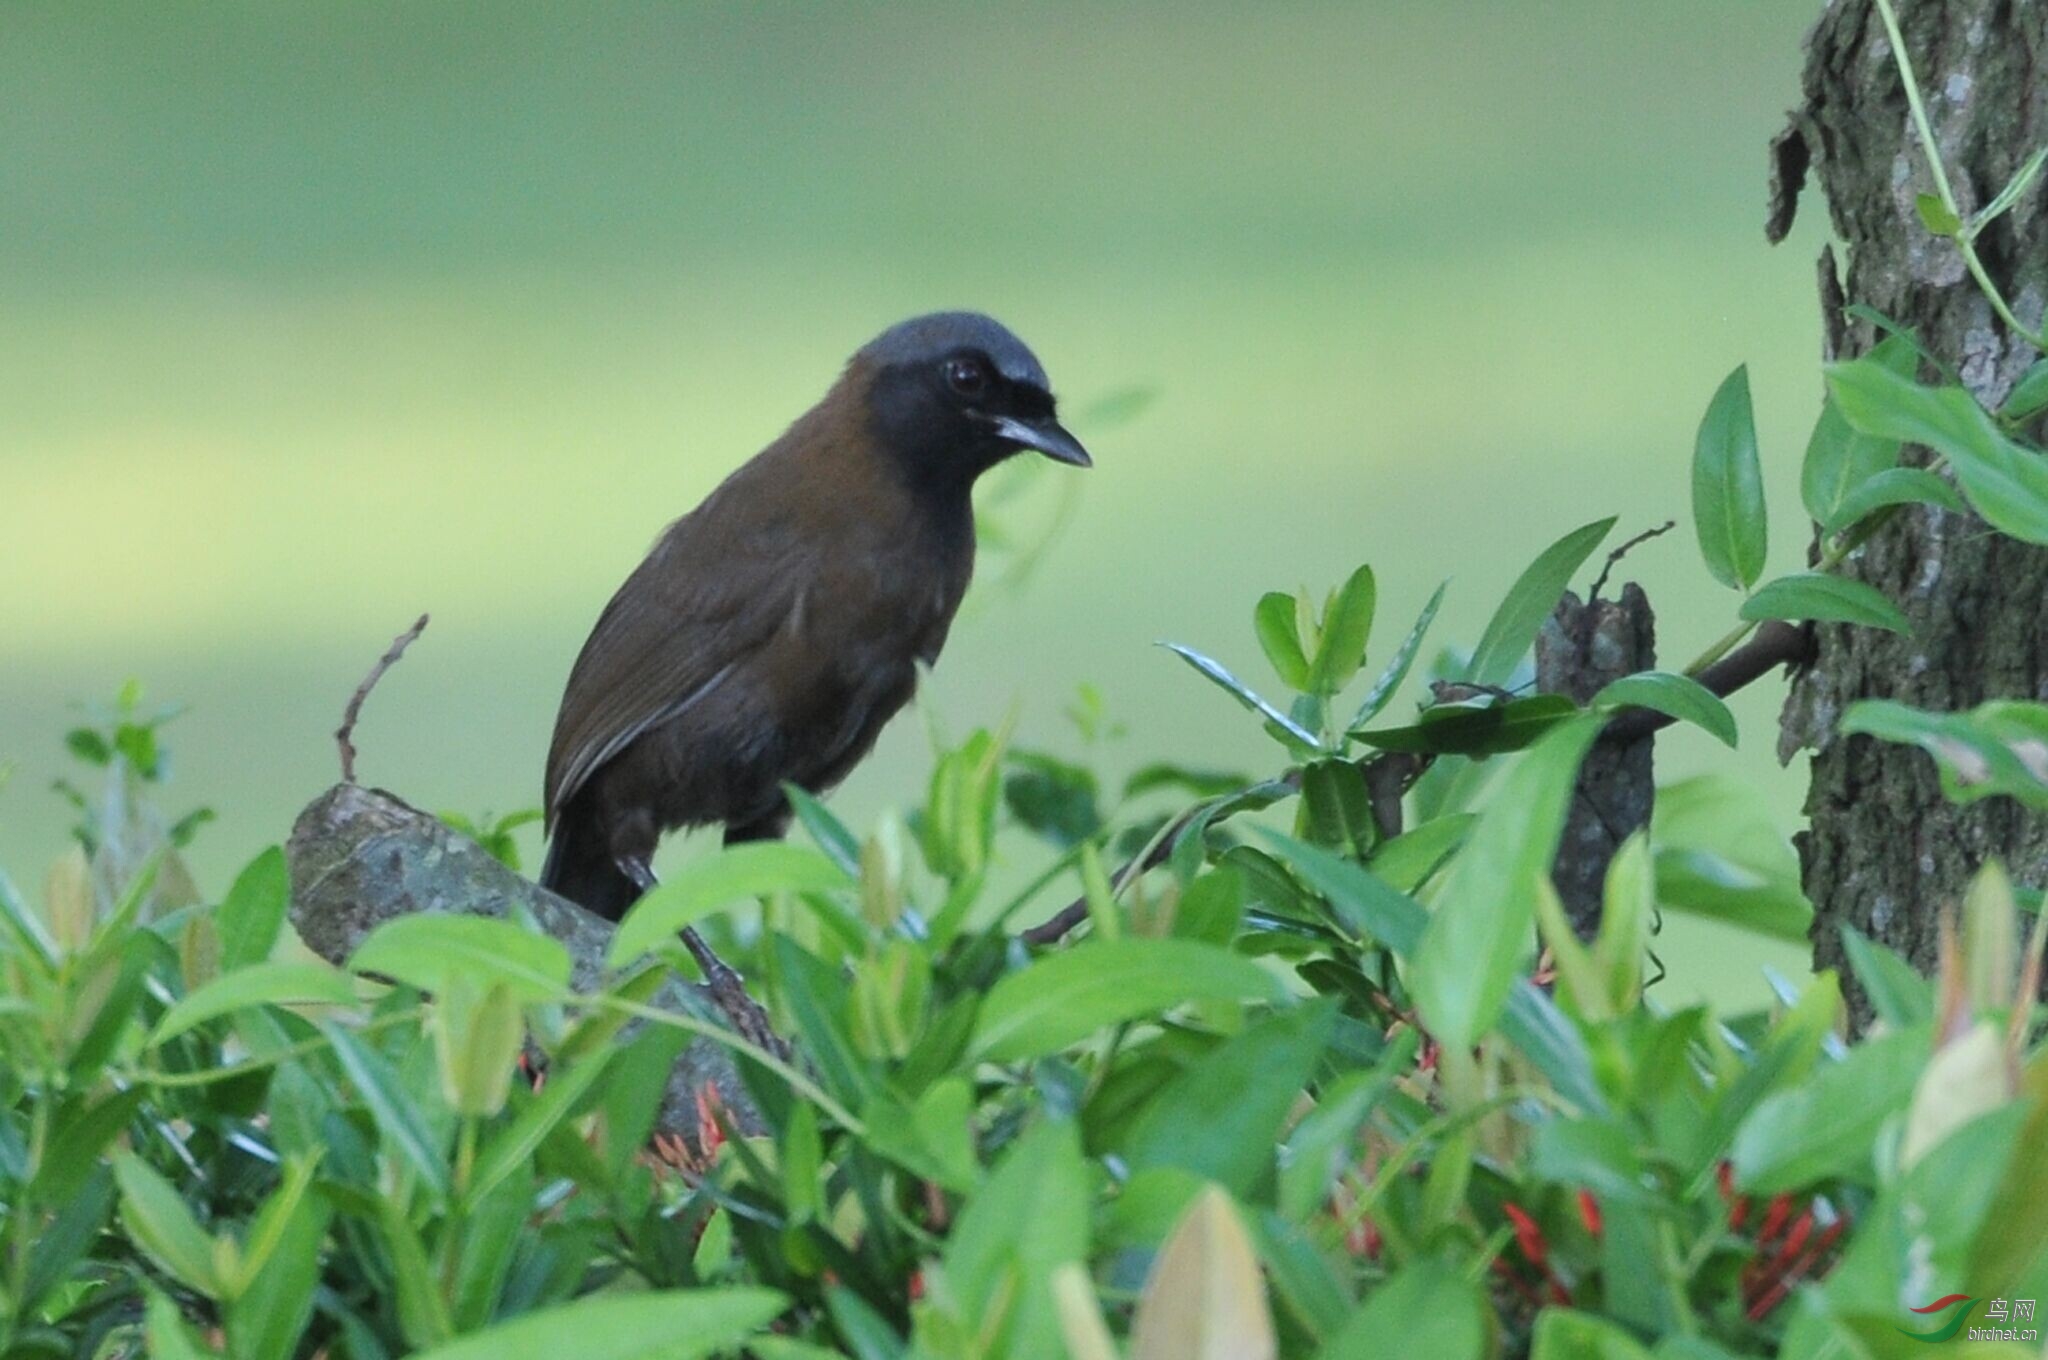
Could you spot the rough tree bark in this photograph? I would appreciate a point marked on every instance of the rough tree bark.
(1885, 851)
(359, 857)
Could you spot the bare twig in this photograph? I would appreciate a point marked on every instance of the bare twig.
(1775, 644)
(344, 736)
(1623, 551)
(1388, 776)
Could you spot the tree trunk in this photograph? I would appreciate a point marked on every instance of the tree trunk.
(1885, 852)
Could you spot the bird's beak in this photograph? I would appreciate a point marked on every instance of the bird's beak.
(1047, 436)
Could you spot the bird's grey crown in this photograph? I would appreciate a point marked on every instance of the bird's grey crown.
(926, 338)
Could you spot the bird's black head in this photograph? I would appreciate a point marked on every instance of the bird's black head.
(954, 393)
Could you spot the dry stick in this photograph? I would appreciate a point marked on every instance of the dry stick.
(344, 735)
(1774, 644)
(1623, 551)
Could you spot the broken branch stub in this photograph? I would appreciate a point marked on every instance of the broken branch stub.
(360, 857)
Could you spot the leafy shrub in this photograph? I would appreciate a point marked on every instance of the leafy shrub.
(1305, 1089)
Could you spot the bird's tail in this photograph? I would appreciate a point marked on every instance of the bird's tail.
(580, 867)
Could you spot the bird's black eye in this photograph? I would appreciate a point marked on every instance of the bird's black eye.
(967, 375)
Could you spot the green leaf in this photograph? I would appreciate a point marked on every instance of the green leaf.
(430, 949)
(1566, 1334)
(257, 984)
(1347, 626)
(1221, 1116)
(1215, 672)
(79, 1135)
(510, 1147)
(2021, 181)
(1532, 1022)
(159, 1220)
(1423, 1310)
(1896, 992)
(1597, 1154)
(1028, 1218)
(730, 874)
(1063, 998)
(281, 1269)
(668, 1324)
(1826, 1126)
(1476, 727)
(1728, 488)
(251, 917)
(1894, 486)
(1320, 1146)
(1513, 628)
(819, 1001)
(63, 1242)
(1410, 859)
(1679, 696)
(168, 1336)
(1466, 964)
(478, 1029)
(1055, 798)
(1706, 884)
(26, 927)
(840, 845)
(1826, 598)
(2029, 396)
(2005, 482)
(397, 1115)
(1720, 855)
(1389, 680)
(1936, 215)
(1274, 622)
(1997, 748)
(1840, 458)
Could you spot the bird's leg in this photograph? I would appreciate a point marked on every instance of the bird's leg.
(727, 989)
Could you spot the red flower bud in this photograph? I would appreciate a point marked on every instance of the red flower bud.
(1527, 1235)
(1589, 1214)
(710, 1136)
(1774, 1219)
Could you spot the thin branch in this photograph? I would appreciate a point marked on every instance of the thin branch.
(1388, 777)
(344, 736)
(1623, 551)
(1775, 644)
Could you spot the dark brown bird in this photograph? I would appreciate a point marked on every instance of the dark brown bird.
(773, 630)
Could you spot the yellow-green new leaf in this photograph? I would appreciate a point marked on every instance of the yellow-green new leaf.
(1205, 1298)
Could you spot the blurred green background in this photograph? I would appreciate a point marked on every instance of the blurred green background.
(316, 316)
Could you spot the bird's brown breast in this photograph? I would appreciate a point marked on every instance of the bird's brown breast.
(768, 636)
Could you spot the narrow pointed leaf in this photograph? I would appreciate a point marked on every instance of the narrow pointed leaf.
(1274, 622)
(1389, 680)
(1220, 676)
(1679, 696)
(1828, 599)
(1728, 488)
(1513, 628)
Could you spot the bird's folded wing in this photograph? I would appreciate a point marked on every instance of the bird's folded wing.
(705, 600)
